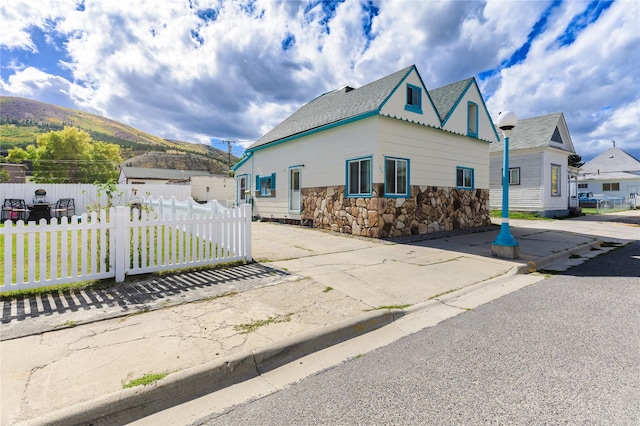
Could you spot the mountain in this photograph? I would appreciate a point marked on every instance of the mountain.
(23, 120)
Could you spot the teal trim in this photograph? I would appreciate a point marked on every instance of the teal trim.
(413, 99)
(299, 168)
(471, 104)
(455, 106)
(463, 169)
(272, 184)
(346, 189)
(402, 82)
(316, 130)
(247, 183)
(408, 183)
(243, 160)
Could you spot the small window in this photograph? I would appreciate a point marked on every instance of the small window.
(242, 188)
(414, 99)
(359, 177)
(396, 177)
(472, 119)
(266, 185)
(464, 178)
(514, 176)
(614, 186)
(555, 180)
(583, 185)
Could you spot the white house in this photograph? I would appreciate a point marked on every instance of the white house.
(539, 176)
(204, 185)
(614, 173)
(387, 159)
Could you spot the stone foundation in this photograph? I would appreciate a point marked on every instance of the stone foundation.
(429, 209)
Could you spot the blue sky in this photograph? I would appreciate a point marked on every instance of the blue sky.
(203, 71)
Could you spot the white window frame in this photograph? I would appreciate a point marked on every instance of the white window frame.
(361, 174)
(466, 173)
(392, 188)
(556, 188)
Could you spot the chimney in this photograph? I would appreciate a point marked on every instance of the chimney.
(614, 144)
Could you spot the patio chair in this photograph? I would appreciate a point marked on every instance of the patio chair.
(64, 207)
(14, 209)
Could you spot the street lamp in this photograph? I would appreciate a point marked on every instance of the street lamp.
(505, 245)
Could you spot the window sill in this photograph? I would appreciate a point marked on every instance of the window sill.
(412, 108)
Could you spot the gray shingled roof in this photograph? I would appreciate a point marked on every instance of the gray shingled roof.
(161, 174)
(445, 98)
(335, 106)
(533, 132)
(612, 160)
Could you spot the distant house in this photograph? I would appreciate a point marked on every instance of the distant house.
(142, 175)
(204, 185)
(539, 175)
(17, 172)
(387, 159)
(614, 173)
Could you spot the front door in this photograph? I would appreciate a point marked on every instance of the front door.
(295, 198)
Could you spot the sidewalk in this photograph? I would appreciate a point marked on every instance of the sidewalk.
(67, 358)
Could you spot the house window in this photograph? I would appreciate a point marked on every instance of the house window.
(359, 177)
(396, 177)
(614, 186)
(414, 99)
(583, 185)
(266, 185)
(472, 119)
(464, 178)
(242, 188)
(514, 176)
(555, 180)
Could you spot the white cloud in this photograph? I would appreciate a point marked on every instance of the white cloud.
(160, 67)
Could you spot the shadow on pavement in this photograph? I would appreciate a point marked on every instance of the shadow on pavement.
(142, 291)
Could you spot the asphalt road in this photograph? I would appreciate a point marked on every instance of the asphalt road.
(563, 351)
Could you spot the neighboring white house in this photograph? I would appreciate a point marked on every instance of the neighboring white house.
(204, 185)
(539, 175)
(614, 173)
(387, 159)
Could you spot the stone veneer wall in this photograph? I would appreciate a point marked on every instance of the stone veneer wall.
(429, 209)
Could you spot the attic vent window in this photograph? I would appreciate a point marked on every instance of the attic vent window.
(556, 136)
(347, 89)
(414, 99)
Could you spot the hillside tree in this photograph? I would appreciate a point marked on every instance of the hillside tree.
(70, 156)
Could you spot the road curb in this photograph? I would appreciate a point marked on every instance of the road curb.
(543, 262)
(177, 388)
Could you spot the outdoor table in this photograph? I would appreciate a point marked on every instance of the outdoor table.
(39, 211)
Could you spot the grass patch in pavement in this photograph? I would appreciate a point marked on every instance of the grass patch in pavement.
(254, 325)
(327, 289)
(380, 308)
(519, 215)
(435, 296)
(147, 379)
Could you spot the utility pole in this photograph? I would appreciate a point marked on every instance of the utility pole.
(229, 151)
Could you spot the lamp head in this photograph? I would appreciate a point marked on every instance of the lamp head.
(506, 122)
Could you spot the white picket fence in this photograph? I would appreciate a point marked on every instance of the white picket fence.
(119, 243)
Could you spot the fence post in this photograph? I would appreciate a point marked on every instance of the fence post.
(246, 211)
(121, 241)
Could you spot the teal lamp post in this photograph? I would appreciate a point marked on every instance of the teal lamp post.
(505, 245)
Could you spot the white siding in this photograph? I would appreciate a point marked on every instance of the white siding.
(221, 188)
(323, 156)
(458, 120)
(434, 154)
(559, 158)
(394, 107)
(534, 191)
